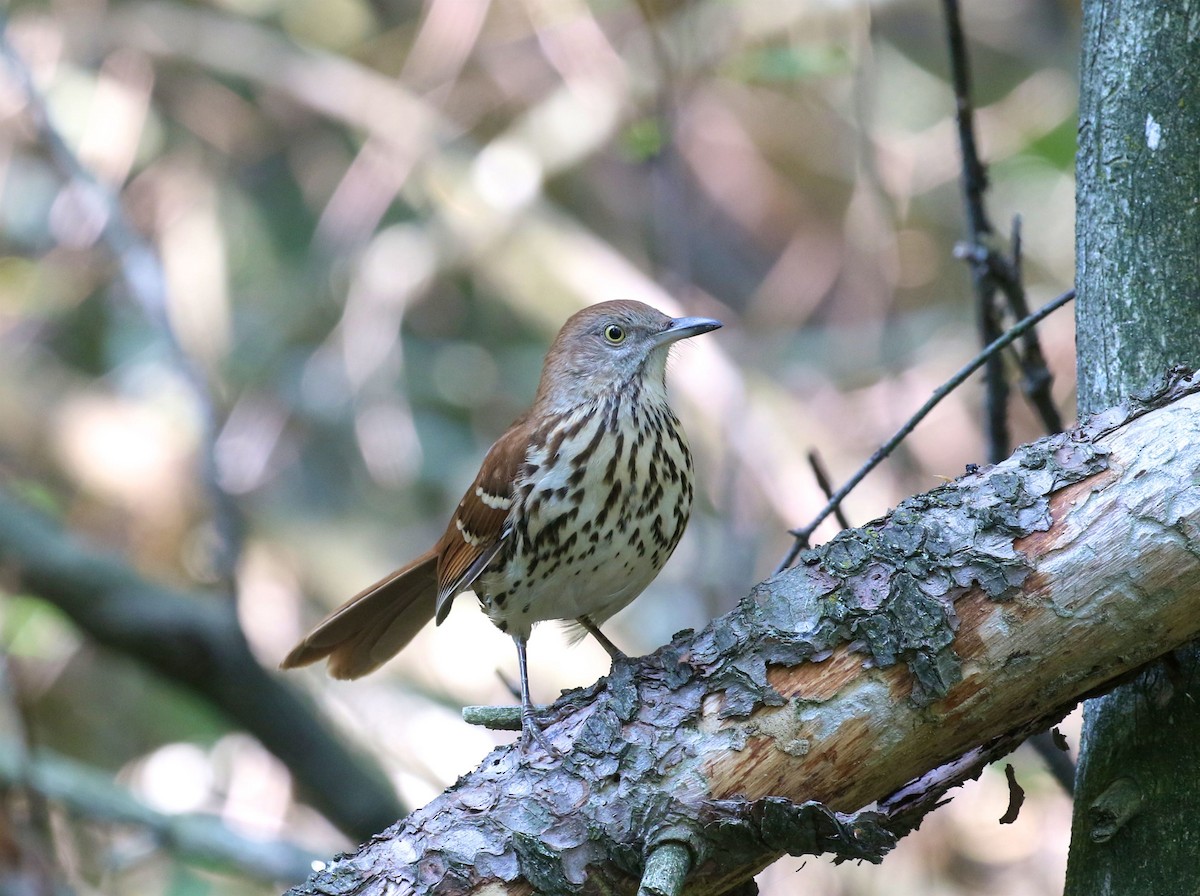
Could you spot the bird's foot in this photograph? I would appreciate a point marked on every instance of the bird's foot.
(532, 733)
(614, 652)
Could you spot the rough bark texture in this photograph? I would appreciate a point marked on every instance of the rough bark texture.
(1137, 180)
(890, 665)
(1135, 829)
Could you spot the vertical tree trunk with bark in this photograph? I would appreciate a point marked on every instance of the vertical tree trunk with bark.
(1135, 829)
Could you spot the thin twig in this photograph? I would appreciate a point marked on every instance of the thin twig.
(145, 280)
(991, 271)
(1058, 761)
(803, 535)
(996, 427)
(979, 228)
(826, 486)
(1036, 380)
(975, 180)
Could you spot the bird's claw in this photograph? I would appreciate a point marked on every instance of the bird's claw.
(531, 733)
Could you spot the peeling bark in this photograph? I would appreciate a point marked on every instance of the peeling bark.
(891, 665)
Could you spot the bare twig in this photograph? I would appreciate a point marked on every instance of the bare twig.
(991, 272)
(979, 228)
(975, 180)
(145, 280)
(1036, 379)
(802, 535)
(822, 477)
(1058, 762)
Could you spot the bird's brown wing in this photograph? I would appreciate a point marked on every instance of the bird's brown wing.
(372, 627)
(480, 523)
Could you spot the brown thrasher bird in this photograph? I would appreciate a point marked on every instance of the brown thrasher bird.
(573, 513)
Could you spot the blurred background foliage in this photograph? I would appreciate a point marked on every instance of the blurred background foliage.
(372, 216)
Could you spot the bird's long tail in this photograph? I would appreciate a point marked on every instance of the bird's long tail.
(372, 627)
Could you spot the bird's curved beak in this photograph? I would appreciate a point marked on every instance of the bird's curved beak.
(683, 327)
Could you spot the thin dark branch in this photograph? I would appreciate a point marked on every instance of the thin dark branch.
(993, 274)
(803, 535)
(822, 477)
(1018, 270)
(979, 228)
(1036, 380)
(145, 281)
(996, 429)
(975, 180)
(1058, 761)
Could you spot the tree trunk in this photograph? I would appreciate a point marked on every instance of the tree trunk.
(893, 663)
(1135, 829)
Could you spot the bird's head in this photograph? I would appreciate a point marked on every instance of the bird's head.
(609, 347)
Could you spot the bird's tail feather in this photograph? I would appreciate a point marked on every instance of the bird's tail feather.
(371, 627)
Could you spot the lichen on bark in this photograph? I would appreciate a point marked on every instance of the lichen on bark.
(888, 588)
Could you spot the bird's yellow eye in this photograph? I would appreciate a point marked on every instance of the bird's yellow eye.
(614, 335)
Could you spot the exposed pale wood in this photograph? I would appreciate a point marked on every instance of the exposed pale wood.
(837, 708)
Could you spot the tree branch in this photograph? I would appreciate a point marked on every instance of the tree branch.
(201, 838)
(892, 664)
(195, 641)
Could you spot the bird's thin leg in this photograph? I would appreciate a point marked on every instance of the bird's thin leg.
(594, 630)
(530, 731)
